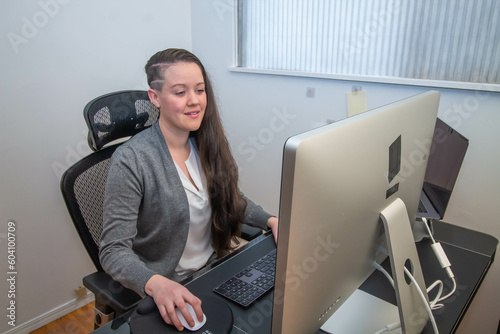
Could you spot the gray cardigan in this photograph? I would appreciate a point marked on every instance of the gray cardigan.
(146, 212)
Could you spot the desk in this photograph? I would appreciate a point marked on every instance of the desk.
(470, 253)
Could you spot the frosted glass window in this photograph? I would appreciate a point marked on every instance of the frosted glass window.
(450, 40)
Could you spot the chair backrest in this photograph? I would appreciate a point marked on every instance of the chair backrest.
(82, 186)
(118, 115)
(109, 117)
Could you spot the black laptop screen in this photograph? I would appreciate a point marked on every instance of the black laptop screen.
(446, 156)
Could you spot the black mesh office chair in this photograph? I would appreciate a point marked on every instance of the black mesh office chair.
(109, 118)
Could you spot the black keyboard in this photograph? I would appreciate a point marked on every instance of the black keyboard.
(251, 283)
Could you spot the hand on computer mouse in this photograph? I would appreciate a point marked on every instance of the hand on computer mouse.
(217, 318)
(197, 324)
(168, 296)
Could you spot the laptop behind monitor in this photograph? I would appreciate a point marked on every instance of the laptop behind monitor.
(447, 153)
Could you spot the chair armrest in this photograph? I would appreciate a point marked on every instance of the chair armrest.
(109, 292)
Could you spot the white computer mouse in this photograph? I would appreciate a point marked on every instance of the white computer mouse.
(197, 324)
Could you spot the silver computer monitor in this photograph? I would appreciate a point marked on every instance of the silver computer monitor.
(336, 180)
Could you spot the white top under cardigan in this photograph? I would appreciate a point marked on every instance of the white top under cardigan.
(198, 247)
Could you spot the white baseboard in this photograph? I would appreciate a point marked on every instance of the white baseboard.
(52, 315)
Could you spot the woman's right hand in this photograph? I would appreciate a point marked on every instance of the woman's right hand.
(168, 295)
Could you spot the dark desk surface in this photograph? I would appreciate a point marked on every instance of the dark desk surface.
(470, 253)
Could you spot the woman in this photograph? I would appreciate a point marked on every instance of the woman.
(172, 202)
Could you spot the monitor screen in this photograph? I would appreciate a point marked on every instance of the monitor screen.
(336, 180)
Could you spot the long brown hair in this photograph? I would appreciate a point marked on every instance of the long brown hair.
(218, 164)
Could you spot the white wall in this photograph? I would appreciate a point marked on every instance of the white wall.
(55, 57)
(250, 105)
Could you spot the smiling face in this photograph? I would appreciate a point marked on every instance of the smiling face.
(182, 99)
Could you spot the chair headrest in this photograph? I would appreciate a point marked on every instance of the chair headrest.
(118, 115)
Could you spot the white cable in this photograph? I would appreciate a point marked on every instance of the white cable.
(427, 307)
(439, 252)
(395, 325)
(389, 328)
(438, 297)
(451, 292)
(445, 264)
(429, 230)
(434, 305)
(383, 271)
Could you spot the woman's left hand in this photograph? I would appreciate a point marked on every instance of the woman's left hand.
(273, 224)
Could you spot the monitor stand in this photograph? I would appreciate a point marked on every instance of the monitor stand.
(411, 311)
(362, 313)
(402, 252)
